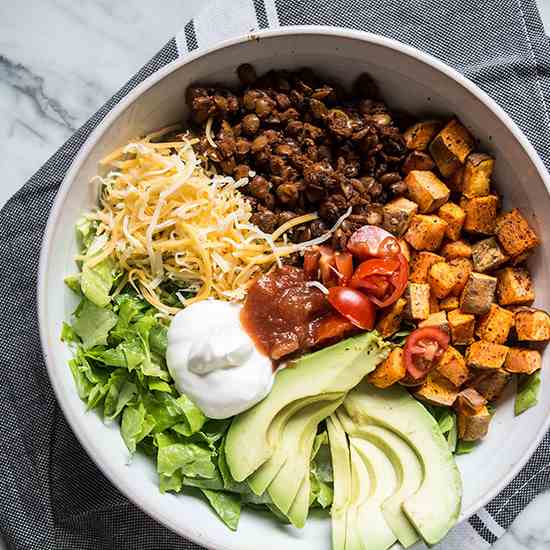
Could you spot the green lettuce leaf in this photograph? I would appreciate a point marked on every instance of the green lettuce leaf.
(227, 506)
(73, 282)
(121, 392)
(135, 425)
(171, 483)
(96, 282)
(92, 323)
(528, 392)
(465, 447)
(189, 458)
(68, 335)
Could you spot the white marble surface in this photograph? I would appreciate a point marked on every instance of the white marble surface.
(62, 59)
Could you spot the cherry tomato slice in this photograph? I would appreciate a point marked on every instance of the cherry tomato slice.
(353, 305)
(333, 327)
(365, 242)
(311, 263)
(343, 262)
(377, 275)
(327, 269)
(423, 348)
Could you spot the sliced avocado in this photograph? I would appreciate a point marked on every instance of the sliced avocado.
(265, 474)
(339, 452)
(300, 506)
(374, 531)
(435, 507)
(359, 493)
(297, 443)
(407, 468)
(337, 368)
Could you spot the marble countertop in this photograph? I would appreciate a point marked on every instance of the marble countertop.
(61, 60)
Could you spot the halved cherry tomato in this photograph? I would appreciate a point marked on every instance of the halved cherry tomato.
(423, 348)
(353, 305)
(343, 262)
(383, 279)
(365, 242)
(327, 270)
(333, 327)
(311, 263)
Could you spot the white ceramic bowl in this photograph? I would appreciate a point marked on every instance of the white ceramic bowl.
(410, 80)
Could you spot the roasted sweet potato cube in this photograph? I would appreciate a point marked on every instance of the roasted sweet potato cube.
(481, 214)
(523, 361)
(477, 175)
(486, 355)
(514, 233)
(457, 249)
(462, 327)
(495, 325)
(442, 278)
(449, 303)
(474, 427)
(454, 216)
(450, 147)
(478, 294)
(514, 286)
(419, 135)
(418, 301)
(532, 325)
(417, 160)
(426, 190)
(463, 268)
(426, 232)
(405, 249)
(434, 304)
(397, 215)
(420, 266)
(456, 180)
(487, 255)
(390, 371)
(437, 390)
(452, 366)
(491, 383)
(438, 320)
(390, 321)
(469, 402)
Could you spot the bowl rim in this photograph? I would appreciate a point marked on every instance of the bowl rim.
(87, 441)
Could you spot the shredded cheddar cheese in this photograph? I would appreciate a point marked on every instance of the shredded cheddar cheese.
(164, 217)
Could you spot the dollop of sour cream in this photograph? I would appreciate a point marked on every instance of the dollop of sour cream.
(213, 360)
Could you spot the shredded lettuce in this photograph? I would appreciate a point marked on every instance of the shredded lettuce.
(96, 282)
(92, 323)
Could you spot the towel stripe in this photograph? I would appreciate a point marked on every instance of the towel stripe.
(261, 14)
(191, 36)
(482, 529)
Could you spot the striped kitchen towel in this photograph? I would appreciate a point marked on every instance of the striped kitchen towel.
(52, 497)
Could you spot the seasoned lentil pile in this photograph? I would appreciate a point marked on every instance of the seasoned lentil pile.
(312, 147)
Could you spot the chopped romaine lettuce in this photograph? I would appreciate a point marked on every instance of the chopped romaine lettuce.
(92, 323)
(96, 282)
(465, 447)
(226, 505)
(527, 393)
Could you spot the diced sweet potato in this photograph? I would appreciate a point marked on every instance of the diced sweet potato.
(449, 303)
(452, 366)
(434, 304)
(478, 294)
(417, 160)
(477, 175)
(495, 325)
(438, 320)
(426, 232)
(455, 182)
(405, 249)
(437, 390)
(514, 233)
(523, 361)
(481, 214)
(514, 286)
(486, 355)
(454, 216)
(463, 268)
(421, 264)
(462, 327)
(426, 190)
(491, 383)
(397, 215)
(450, 147)
(390, 321)
(532, 325)
(419, 135)
(418, 301)
(469, 402)
(458, 249)
(390, 371)
(474, 427)
(487, 255)
(442, 278)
